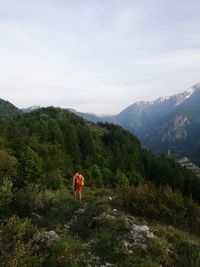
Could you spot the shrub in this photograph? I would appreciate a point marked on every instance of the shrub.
(8, 165)
(188, 256)
(68, 252)
(15, 229)
(24, 255)
(161, 204)
(17, 246)
(34, 198)
(6, 193)
(54, 179)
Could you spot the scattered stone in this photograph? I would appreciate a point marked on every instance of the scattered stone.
(114, 211)
(142, 229)
(66, 226)
(132, 219)
(47, 238)
(79, 211)
(138, 235)
(107, 264)
(36, 216)
(75, 217)
(104, 217)
(126, 243)
(89, 244)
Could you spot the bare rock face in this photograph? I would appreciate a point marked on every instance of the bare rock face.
(177, 129)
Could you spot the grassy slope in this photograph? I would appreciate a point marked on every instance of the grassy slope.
(95, 239)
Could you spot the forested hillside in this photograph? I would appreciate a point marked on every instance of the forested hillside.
(7, 110)
(49, 145)
(41, 224)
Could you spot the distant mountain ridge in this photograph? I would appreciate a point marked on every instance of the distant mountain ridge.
(179, 131)
(30, 109)
(165, 124)
(140, 115)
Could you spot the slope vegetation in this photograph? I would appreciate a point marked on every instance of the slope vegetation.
(138, 209)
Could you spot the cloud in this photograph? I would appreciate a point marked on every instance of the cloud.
(97, 56)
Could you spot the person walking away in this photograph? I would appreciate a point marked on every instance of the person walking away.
(78, 183)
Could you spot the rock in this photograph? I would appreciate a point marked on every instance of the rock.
(66, 227)
(131, 220)
(150, 235)
(139, 233)
(74, 218)
(103, 217)
(36, 216)
(79, 211)
(125, 243)
(47, 238)
(107, 264)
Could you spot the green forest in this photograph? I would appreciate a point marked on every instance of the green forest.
(39, 154)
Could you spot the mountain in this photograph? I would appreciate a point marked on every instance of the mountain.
(87, 116)
(138, 117)
(7, 110)
(165, 124)
(179, 131)
(30, 109)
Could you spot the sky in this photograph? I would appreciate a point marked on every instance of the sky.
(97, 56)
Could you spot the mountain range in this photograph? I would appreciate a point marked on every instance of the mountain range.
(166, 125)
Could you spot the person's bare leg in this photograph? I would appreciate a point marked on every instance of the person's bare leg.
(80, 196)
(75, 195)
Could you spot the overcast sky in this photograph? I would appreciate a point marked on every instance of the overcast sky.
(97, 55)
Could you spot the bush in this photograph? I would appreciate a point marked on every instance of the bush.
(6, 193)
(24, 255)
(68, 252)
(161, 204)
(17, 246)
(15, 229)
(54, 179)
(188, 256)
(8, 165)
(34, 198)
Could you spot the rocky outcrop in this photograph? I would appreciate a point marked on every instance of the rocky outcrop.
(47, 238)
(138, 235)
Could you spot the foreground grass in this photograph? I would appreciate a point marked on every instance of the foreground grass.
(100, 230)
